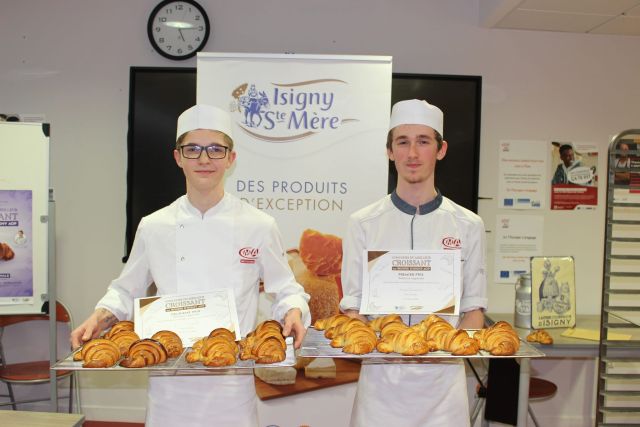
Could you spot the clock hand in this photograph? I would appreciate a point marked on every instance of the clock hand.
(181, 35)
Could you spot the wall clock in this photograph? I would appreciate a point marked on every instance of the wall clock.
(178, 29)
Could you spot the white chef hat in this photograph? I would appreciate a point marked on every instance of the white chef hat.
(417, 112)
(202, 116)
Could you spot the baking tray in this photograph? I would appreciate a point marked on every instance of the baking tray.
(316, 345)
(180, 365)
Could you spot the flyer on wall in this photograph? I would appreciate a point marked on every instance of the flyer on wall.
(16, 250)
(411, 282)
(574, 182)
(522, 174)
(518, 238)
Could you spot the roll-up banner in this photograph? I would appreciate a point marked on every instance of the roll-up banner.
(310, 134)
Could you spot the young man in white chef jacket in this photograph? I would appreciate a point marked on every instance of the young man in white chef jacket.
(415, 216)
(200, 242)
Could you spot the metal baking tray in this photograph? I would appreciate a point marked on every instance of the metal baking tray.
(180, 365)
(316, 345)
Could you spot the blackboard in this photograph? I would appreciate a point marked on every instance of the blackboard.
(157, 96)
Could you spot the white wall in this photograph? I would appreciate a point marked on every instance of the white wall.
(70, 60)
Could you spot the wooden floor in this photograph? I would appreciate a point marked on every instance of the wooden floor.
(110, 424)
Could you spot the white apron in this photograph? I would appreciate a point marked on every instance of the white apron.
(401, 395)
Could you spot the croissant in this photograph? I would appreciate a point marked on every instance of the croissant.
(341, 331)
(224, 332)
(123, 340)
(124, 325)
(392, 328)
(458, 342)
(407, 342)
(378, 323)
(540, 336)
(359, 340)
(145, 352)
(343, 327)
(170, 341)
(99, 353)
(265, 344)
(499, 339)
(269, 350)
(327, 322)
(214, 351)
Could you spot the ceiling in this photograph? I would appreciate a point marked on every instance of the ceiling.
(621, 17)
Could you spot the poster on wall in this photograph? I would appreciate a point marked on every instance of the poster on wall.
(309, 132)
(522, 175)
(16, 251)
(574, 182)
(553, 292)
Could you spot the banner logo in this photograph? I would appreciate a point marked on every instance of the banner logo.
(284, 112)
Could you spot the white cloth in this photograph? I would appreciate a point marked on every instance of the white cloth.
(183, 252)
(414, 395)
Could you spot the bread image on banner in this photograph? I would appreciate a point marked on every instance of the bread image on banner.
(6, 253)
(316, 266)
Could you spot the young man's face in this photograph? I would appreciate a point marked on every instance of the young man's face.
(204, 174)
(567, 157)
(414, 150)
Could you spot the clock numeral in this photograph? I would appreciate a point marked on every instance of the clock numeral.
(158, 29)
(197, 17)
(179, 51)
(198, 39)
(169, 47)
(161, 40)
(189, 47)
(162, 19)
(200, 28)
(168, 11)
(179, 7)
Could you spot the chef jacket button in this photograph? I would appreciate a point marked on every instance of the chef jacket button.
(181, 258)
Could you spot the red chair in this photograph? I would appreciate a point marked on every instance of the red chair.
(33, 372)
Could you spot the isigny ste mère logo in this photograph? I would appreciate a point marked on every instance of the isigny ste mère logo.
(284, 112)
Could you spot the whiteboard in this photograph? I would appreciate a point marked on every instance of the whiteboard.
(24, 210)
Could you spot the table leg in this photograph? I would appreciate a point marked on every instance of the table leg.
(523, 391)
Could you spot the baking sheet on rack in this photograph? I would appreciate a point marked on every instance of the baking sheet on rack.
(180, 363)
(316, 345)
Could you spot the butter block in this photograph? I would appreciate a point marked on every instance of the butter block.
(321, 367)
(277, 376)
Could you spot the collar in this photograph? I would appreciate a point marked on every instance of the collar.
(188, 210)
(422, 209)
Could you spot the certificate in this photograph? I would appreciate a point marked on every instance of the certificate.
(411, 282)
(190, 316)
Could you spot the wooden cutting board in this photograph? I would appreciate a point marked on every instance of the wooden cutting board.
(347, 371)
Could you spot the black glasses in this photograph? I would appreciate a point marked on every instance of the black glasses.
(192, 151)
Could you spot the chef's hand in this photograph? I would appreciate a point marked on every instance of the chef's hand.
(293, 325)
(356, 315)
(91, 328)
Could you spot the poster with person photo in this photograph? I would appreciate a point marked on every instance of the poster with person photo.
(574, 182)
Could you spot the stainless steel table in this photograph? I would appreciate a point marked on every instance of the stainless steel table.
(561, 347)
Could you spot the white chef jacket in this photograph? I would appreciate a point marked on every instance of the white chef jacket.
(418, 394)
(233, 245)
